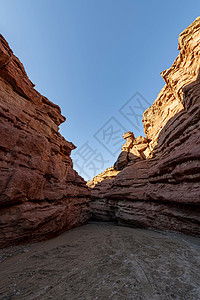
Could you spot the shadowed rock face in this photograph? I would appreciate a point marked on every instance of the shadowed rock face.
(40, 193)
(162, 189)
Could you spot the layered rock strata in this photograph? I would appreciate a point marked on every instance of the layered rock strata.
(40, 193)
(109, 173)
(161, 190)
(183, 71)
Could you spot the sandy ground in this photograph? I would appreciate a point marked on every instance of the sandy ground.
(103, 261)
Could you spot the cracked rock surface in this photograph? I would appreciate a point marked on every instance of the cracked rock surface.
(41, 194)
(156, 183)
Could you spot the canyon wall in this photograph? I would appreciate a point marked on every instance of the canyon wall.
(157, 184)
(40, 193)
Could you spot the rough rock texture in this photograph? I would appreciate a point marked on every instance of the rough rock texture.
(40, 193)
(135, 149)
(163, 191)
(107, 174)
(183, 71)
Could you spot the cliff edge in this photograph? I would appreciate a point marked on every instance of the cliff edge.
(158, 180)
(40, 193)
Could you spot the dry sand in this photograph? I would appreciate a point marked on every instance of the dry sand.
(103, 261)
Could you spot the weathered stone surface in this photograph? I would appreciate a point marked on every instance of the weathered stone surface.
(107, 174)
(183, 71)
(135, 149)
(162, 190)
(40, 193)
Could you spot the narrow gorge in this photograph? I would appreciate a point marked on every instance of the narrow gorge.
(59, 235)
(153, 184)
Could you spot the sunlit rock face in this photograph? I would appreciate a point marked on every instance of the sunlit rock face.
(183, 71)
(107, 174)
(160, 187)
(40, 193)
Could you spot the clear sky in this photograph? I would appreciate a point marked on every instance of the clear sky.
(99, 60)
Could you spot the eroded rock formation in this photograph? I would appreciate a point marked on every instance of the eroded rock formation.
(107, 174)
(161, 187)
(183, 71)
(40, 193)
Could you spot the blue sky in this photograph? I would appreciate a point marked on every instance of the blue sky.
(99, 60)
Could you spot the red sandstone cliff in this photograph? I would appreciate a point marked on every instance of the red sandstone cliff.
(159, 182)
(40, 193)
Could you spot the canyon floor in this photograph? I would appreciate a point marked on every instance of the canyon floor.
(103, 261)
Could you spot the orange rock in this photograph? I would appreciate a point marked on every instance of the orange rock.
(40, 193)
(183, 71)
(109, 173)
(162, 191)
